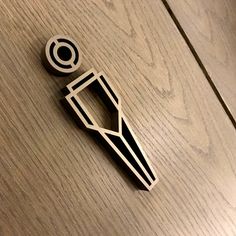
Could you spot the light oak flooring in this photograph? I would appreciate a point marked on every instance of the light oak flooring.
(56, 179)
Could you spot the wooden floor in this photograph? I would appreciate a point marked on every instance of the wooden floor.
(211, 28)
(173, 63)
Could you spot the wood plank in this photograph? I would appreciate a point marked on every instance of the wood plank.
(210, 27)
(55, 179)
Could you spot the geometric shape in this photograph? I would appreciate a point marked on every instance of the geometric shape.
(133, 142)
(120, 138)
(105, 117)
(61, 55)
(119, 143)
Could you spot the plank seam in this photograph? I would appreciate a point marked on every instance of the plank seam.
(199, 61)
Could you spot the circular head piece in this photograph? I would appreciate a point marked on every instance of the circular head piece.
(61, 55)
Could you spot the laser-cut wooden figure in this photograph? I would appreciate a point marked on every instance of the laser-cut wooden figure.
(61, 56)
(121, 138)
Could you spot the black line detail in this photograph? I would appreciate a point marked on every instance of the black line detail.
(117, 141)
(81, 110)
(109, 88)
(83, 81)
(130, 140)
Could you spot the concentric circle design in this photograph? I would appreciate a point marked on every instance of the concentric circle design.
(61, 55)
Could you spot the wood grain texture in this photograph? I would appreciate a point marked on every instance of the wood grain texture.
(57, 180)
(97, 108)
(211, 28)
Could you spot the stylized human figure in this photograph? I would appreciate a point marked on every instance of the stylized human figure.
(62, 56)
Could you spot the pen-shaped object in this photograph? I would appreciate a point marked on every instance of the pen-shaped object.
(120, 138)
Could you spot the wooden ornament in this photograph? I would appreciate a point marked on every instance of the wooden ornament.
(120, 139)
(61, 55)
